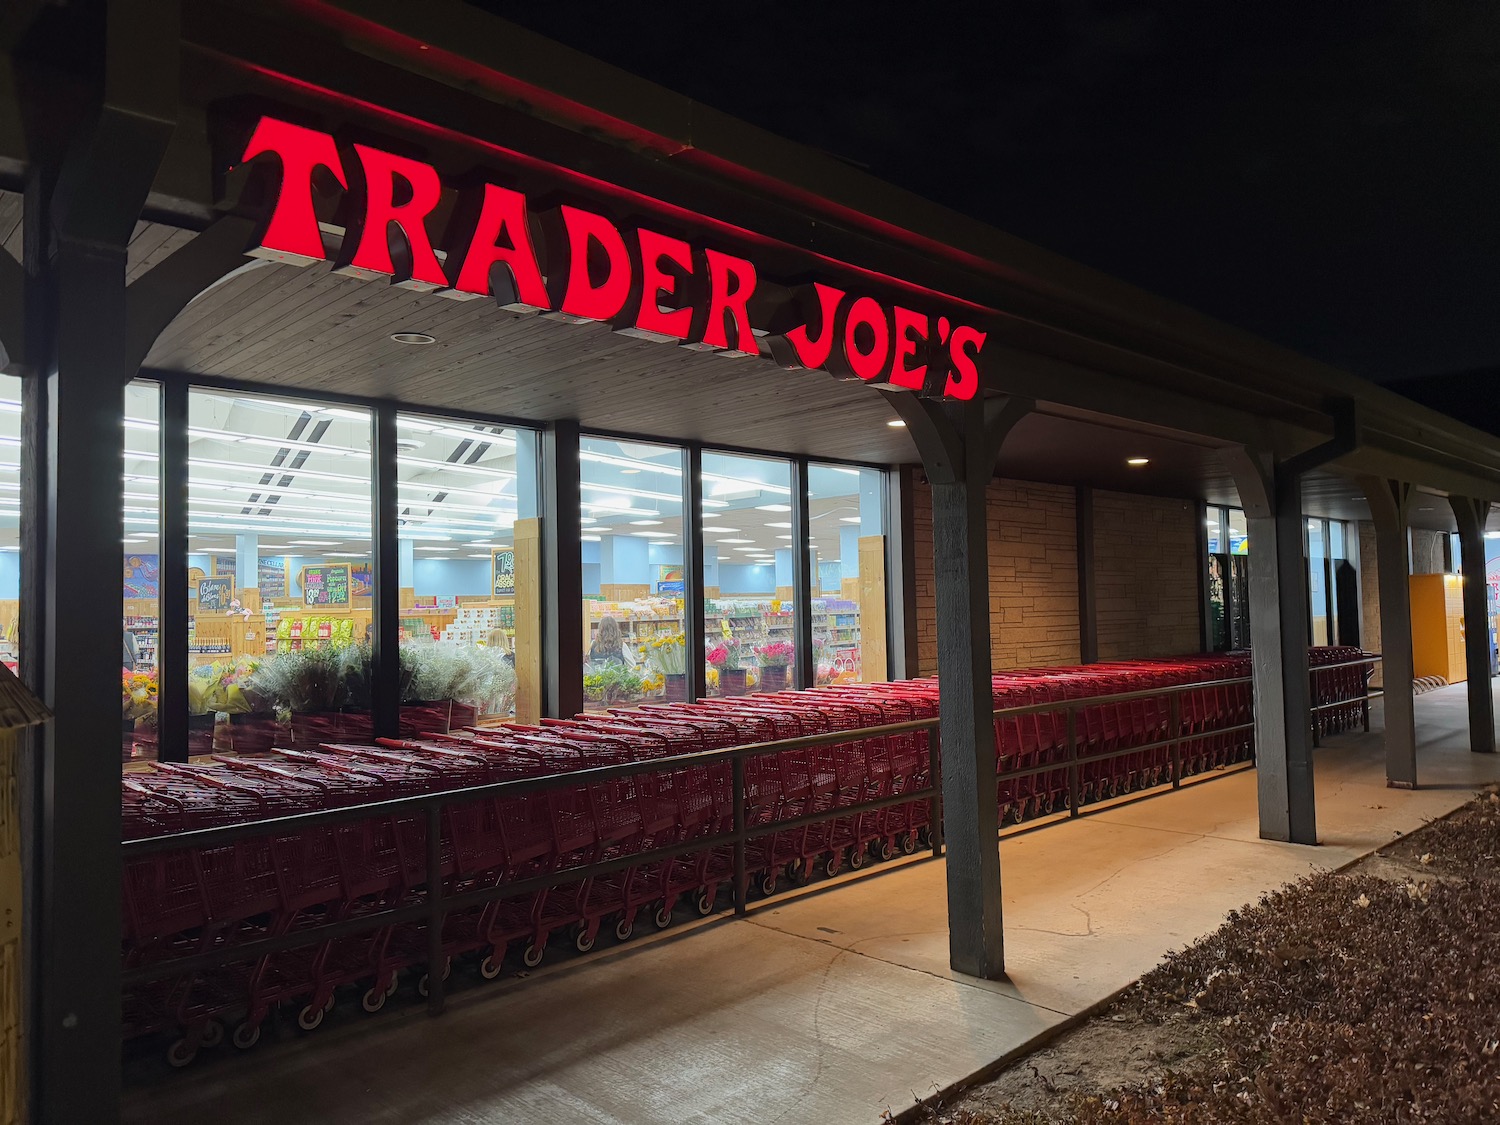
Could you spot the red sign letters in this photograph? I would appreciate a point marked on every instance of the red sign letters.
(577, 264)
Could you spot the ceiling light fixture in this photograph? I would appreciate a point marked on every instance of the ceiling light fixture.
(1137, 462)
(773, 507)
(778, 525)
(645, 523)
(413, 338)
(895, 423)
(590, 538)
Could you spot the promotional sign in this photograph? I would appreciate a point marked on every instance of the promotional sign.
(575, 264)
(503, 571)
(670, 580)
(325, 585)
(215, 594)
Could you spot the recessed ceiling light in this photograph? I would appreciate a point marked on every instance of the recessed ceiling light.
(413, 338)
(783, 537)
(587, 520)
(736, 540)
(476, 556)
(645, 523)
(848, 519)
(629, 472)
(750, 550)
(1212, 522)
(1492, 534)
(1313, 525)
(313, 542)
(590, 538)
(720, 530)
(437, 548)
(710, 516)
(1137, 461)
(773, 507)
(778, 525)
(895, 423)
(655, 534)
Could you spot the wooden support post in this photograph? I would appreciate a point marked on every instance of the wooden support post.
(1471, 516)
(172, 665)
(959, 444)
(385, 671)
(1390, 503)
(562, 632)
(1272, 498)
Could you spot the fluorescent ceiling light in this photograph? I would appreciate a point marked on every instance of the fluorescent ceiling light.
(784, 537)
(590, 538)
(736, 540)
(655, 534)
(313, 542)
(476, 556)
(773, 507)
(778, 525)
(848, 519)
(645, 523)
(895, 423)
(717, 530)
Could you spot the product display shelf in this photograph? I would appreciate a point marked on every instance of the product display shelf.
(145, 632)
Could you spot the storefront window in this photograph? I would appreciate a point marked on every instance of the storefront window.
(1214, 532)
(142, 593)
(10, 520)
(749, 623)
(1317, 584)
(1239, 532)
(280, 574)
(846, 520)
(634, 645)
(469, 543)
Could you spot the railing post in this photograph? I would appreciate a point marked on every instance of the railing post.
(1073, 791)
(1176, 709)
(935, 780)
(741, 890)
(1314, 714)
(435, 964)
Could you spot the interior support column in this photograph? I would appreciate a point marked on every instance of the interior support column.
(1471, 515)
(959, 444)
(562, 558)
(693, 601)
(172, 665)
(900, 571)
(802, 577)
(1390, 503)
(1272, 498)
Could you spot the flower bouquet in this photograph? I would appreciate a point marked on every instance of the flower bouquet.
(774, 659)
(667, 655)
(726, 659)
(612, 683)
(138, 711)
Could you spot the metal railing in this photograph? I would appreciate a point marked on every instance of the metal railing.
(436, 904)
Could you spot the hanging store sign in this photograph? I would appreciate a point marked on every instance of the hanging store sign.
(576, 264)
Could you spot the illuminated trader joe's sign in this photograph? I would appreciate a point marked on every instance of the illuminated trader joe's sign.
(577, 264)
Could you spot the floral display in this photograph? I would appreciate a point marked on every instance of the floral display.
(138, 697)
(777, 654)
(667, 653)
(726, 655)
(613, 683)
(223, 687)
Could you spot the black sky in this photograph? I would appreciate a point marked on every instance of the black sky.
(1325, 174)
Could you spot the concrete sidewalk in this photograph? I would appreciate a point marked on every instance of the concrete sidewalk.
(833, 1007)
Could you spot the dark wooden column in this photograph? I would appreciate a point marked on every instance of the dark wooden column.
(1272, 499)
(562, 549)
(1390, 503)
(1471, 515)
(172, 664)
(82, 205)
(385, 652)
(959, 444)
(1088, 602)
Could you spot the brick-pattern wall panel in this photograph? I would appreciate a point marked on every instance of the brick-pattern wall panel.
(1146, 576)
(1032, 531)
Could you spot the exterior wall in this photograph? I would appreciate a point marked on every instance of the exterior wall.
(1146, 576)
(1145, 567)
(1426, 551)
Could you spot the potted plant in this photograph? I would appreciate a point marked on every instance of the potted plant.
(323, 692)
(667, 655)
(612, 682)
(774, 658)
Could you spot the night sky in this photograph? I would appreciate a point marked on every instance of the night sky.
(1323, 174)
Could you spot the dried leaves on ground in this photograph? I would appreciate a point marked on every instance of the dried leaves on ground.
(1371, 995)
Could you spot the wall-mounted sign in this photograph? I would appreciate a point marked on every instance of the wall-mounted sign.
(142, 576)
(325, 585)
(576, 264)
(503, 571)
(215, 594)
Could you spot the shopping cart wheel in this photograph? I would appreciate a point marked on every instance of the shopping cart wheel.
(833, 864)
(532, 956)
(489, 968)
(390, 989)
(245, 1036)
(181, 1052)
(213, 1034)
(310, 1018)
(796, 873)
(422, 984)
(663, 917)
(909, 844)
(583, 939)
(624, 930)
(768, 882)
(705, 904)
(373, 999)
(924, 837)
(857, 857)
(884, 850)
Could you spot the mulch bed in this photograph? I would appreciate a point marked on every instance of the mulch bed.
(1369, 995)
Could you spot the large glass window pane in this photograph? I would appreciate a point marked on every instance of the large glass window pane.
(1214, 532)
(470, 561)
(749, 623)
(1239, 532)
(846, 519)
(10, 520)
(634, 644)
(1317, 572)
(280, 574)
(142, 593)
